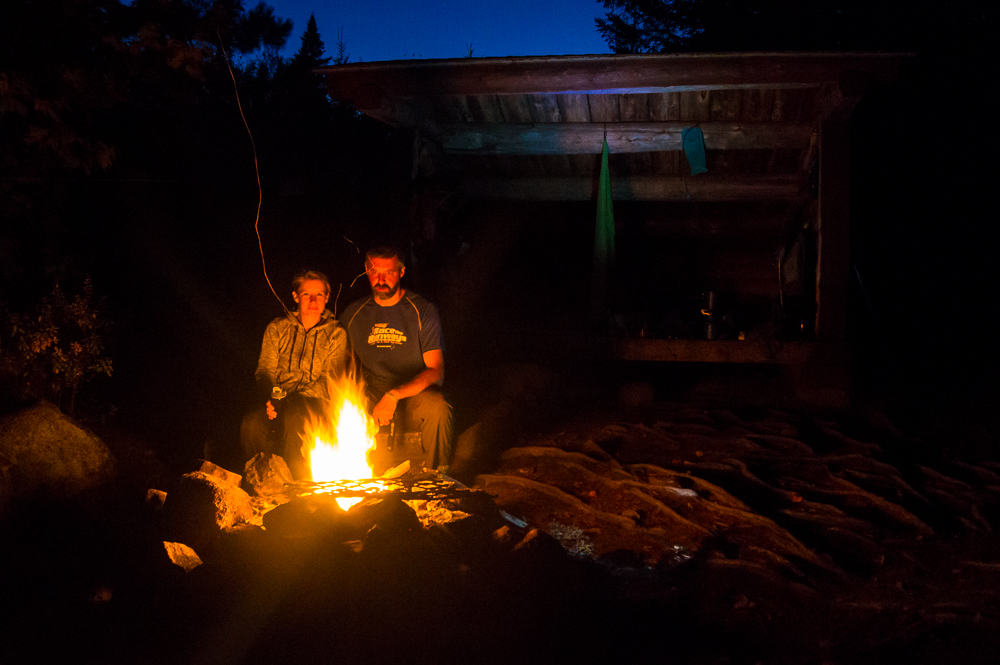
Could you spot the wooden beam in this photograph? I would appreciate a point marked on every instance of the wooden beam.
(639, 188)
(409, 113)
(581, 138)
(729, 351)
(833, 223)
(607, 74)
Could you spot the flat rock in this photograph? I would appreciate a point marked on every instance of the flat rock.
(543, 506)
(530, 456)
(617, 497)
(853, 500)
(222, 474)
(656, 475)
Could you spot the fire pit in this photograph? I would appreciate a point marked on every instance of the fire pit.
(426, 486)
(341, 451)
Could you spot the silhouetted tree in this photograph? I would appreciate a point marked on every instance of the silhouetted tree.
(260, 28)
(88, 86)
(343, 57)
(658, 26)
(310, 53)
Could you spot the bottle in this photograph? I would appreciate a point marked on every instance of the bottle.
(277, 394)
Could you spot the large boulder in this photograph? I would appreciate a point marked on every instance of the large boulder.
(44, 453)
(204, 504)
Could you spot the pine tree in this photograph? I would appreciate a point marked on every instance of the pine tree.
(310, 53)
(343, 57)
(663, 26)
(260, 28)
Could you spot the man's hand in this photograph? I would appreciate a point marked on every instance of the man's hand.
(271, 413)
(432, 373)
(384, 410)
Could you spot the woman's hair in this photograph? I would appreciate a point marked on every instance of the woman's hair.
(306, 275)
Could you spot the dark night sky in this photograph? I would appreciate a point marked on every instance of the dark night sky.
(405, 29)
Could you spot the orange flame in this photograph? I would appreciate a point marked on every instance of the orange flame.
(337, 447)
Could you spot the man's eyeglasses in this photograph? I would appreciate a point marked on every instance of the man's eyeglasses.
(375, 274)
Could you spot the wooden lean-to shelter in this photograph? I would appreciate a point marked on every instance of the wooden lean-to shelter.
(766, 227)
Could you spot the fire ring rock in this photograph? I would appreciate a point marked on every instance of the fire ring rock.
(266, 474)
(201, 506)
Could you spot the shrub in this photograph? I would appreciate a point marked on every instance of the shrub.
(49, 352)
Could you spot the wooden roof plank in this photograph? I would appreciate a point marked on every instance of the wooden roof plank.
(695, 106)
(604, 108)
(604, 74)
(623, 137)
(485, 108)
(544, 108)
(729, 351)
(454, 109)
(664, 106)
(633, 108)
(637, 188)
(574, 107)
(515, 108)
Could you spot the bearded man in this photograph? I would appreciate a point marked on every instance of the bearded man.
(397, 336)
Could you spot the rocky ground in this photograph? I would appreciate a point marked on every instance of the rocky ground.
(790, 537)
(667, 532)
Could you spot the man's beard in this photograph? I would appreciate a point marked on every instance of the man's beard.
(385, 295)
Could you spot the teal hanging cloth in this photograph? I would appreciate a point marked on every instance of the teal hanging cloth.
(694, 149)
(604, 244)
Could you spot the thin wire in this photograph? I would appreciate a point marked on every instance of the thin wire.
(340, 287)
(356, 248)
(360, 275)
(260, 189)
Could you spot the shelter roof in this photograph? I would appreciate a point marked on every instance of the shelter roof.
(531, 128)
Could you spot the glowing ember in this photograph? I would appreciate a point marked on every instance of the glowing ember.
(339, 449)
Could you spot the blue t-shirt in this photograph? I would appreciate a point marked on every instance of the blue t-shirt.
(391, 341)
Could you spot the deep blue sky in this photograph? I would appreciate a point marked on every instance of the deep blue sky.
(404, 29)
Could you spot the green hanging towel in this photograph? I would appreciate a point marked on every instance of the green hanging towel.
(604, 244)
(694, 149)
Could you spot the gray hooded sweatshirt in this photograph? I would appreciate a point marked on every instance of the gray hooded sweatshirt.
(299, 360)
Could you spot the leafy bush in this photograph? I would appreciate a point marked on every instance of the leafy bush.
(49, 352)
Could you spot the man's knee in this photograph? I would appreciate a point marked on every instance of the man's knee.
(430, 413)
(429, 406)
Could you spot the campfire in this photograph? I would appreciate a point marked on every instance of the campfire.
(338, 447)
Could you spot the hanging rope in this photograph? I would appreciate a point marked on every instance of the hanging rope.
(260, 189)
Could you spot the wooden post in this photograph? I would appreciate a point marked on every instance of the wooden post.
(833, 226)
(829, 385)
